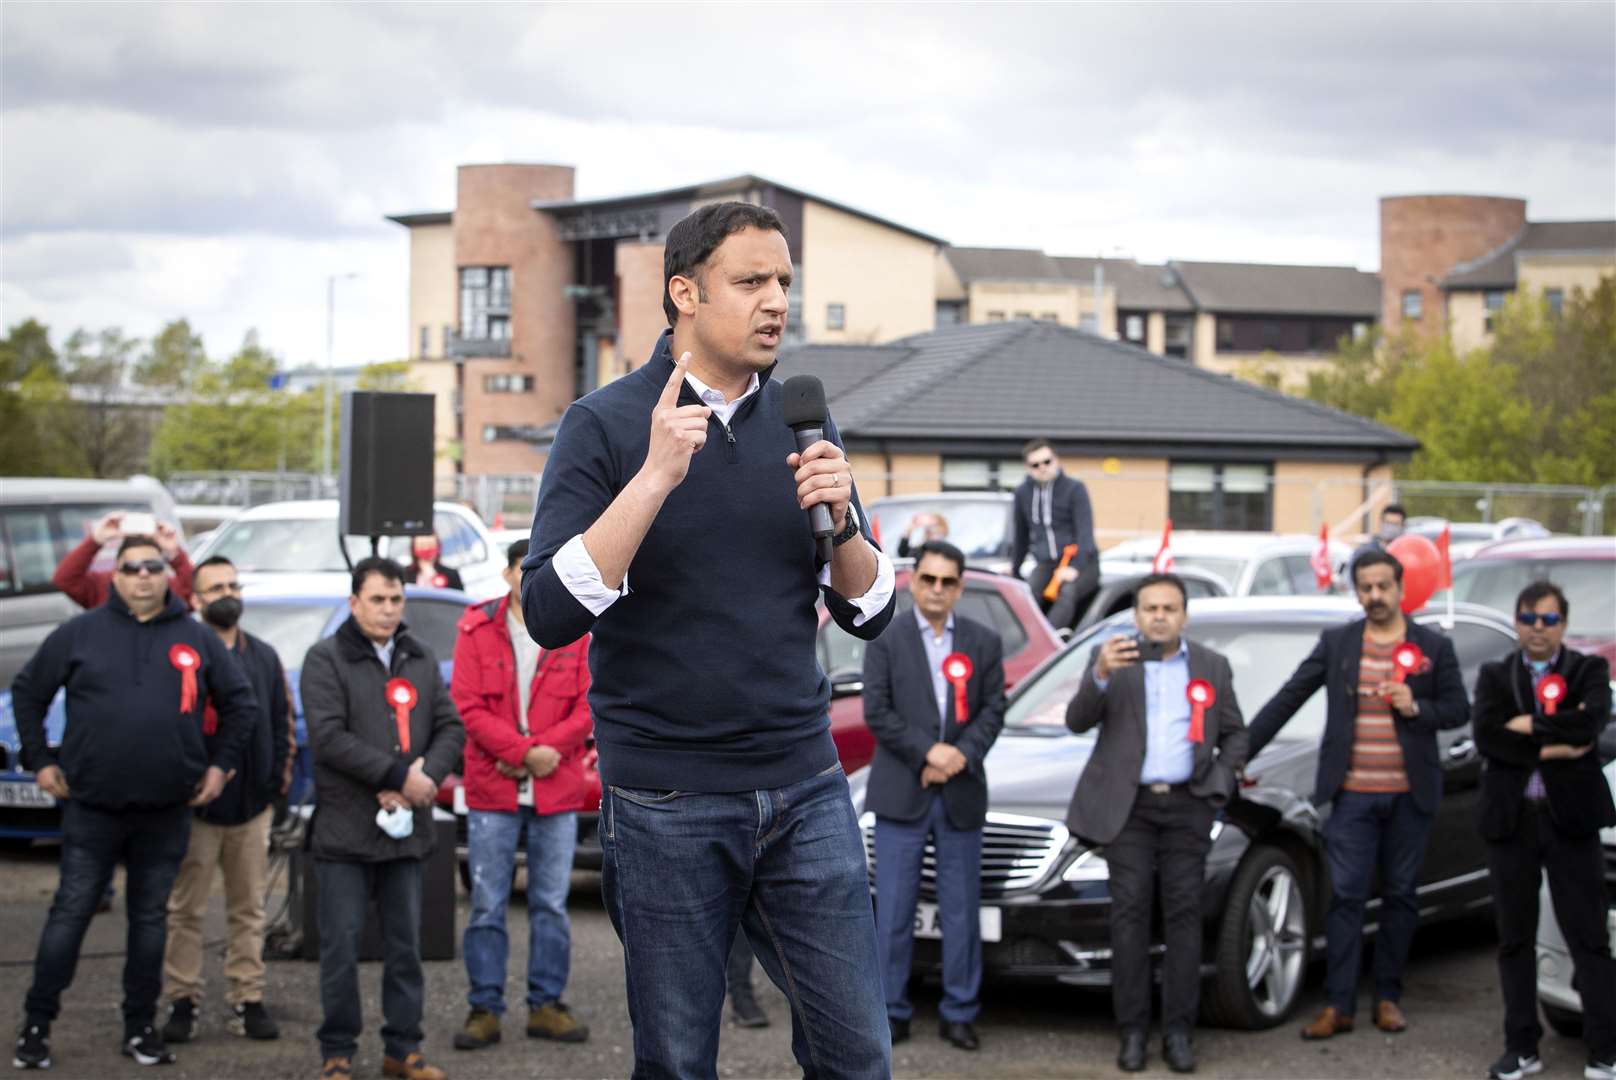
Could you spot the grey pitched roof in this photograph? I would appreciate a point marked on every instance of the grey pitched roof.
(1267, 289)
(1496, 269)
(1002, 264)
(1140, 286)
(1018, 380)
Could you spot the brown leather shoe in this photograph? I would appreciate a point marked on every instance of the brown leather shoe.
(337, 1068)
(1388, 1017)
(1327, 1023)
(413, 1067)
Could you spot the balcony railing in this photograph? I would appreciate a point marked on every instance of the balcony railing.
(463, 348)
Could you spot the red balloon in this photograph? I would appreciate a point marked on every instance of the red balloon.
(1422, 567)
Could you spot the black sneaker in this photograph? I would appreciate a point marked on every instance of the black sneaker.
(1513, 1066)
(33, 1048)
(147, 1048)
(181, 1026)
(253, 1020)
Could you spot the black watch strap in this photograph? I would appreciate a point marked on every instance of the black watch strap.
(850, 530)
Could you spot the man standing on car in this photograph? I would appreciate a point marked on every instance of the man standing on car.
(1052, 513)
(695, 566)
(1544, 799)
(527, 721)
(1379, 774)
(230, 834)
(132, 763)
(384, 733)
(1163, 766)
(927, 782)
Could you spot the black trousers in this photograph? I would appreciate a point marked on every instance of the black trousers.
(1575, 866)
(1073, 596)
(1166, 839)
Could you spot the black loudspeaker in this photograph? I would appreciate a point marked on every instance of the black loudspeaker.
(386, 475)
(437, 903)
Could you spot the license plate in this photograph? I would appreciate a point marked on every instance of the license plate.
(14, 793)
(927, 924)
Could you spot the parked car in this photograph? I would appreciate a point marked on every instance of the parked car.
(1464, 537)
(301, 538)
(1253, 564)
(1562, 1004)
(980, 523)
(1046, 897)
(1117, 591)
(1583, 566)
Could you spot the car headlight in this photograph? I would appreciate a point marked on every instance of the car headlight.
(1089, 866)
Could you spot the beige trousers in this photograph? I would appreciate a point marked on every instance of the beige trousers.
(242, 852)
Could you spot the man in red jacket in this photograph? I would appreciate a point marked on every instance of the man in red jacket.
(89, 588)
(527, 725)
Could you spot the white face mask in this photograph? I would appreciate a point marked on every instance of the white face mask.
(398, 823)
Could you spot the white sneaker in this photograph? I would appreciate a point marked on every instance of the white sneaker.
(1600, 1070)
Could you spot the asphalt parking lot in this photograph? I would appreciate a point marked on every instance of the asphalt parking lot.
(1452, 1000)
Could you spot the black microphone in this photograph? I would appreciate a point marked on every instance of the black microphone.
(805, 414)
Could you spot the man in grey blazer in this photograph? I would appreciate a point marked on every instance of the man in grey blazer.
(927, 780)
(1171, 747)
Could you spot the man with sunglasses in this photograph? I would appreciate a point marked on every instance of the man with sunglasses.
(231, 834)
(1052, 513)
(1544, 799)
(927, 781)
(133, 761)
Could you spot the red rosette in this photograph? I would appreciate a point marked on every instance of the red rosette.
(1408, 659)
(957, 670)
(1551, 690)
(1201, 698)
(186, 661)
(402, 697)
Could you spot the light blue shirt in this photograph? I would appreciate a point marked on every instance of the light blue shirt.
(384, 653)
(937, 650)
(1169, 754)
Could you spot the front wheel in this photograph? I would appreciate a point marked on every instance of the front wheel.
(1261, 950)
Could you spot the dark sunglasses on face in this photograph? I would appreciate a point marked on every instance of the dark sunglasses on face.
(153, 567)
(1040, 464)
(931, 581)
(1531, 618)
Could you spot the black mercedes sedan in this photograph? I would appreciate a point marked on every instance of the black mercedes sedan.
(1046, 898)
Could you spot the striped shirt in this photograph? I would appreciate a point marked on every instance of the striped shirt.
(1377, 757)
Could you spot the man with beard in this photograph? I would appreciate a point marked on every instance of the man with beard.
(232, 832)
(1379, 774)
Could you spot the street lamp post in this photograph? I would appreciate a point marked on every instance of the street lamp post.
(330, 376)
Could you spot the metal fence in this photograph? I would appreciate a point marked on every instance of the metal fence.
(1562, 509)
(245, 489)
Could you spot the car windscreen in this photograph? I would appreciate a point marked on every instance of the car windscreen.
(290, 629)
(1227, 569)
(290, 545)
(1263, 656)
(980, 529)
(1589, 585)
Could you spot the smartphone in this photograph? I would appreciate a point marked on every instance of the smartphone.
(138, 523)
(1149, 650)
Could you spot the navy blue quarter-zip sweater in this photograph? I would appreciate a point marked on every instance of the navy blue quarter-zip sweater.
(704, 677)
(126, 744)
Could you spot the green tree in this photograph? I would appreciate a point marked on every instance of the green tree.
(25, 348)
(386, 375)
(174, 359)
(99, 426)
(28, 364)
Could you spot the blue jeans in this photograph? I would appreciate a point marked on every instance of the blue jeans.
(1366, 833)
(346, 889)
(899, 849)
(683, 869)
(151, 843)
(492, 840)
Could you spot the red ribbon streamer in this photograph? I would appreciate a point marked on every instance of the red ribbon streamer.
(1550, 692)
(401, 696)
(957, 670)
(185, 661)
(1201, 697)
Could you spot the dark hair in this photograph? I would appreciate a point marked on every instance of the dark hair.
(375, 564)
(1540, 590)
(1161, 579)
(211, 560)
(515, 553)
(1375, 557)
(1034, 446)
(137, 541)
(1394, 508)
(693, 240)
(943, 549)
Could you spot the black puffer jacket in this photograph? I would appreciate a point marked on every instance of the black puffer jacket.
(354, 739)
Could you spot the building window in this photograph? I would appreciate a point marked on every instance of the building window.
(1133, 327)
(1360, 330)
(948, 313)
(1493, 301)
(1270, 336)
(1413, 304)
(1048, 316)
(1176, 340)
(1555, 298)
(1086, 323)
(1024, 315)
(982, 474)
(1225, 333)
(490, 433)
(426, 343)
(485, 303)
(1231, 497)
(795, 331)
(507, 384)
(835, 316)
(995, 316)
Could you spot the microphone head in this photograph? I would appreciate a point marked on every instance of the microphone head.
(805, 402)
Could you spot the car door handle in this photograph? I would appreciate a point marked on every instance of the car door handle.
(1460, 749)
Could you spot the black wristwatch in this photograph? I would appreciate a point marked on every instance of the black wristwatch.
(849, 531)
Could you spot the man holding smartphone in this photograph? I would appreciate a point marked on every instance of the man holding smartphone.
(1171, 745)
(89, 588)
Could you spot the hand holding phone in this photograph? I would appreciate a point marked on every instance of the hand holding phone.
(1149, 650)
(138, 523)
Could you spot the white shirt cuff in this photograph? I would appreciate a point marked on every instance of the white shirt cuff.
(875, 599)
(579, 574)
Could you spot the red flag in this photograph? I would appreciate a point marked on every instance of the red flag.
(1444, 577)
(1321, 560)
(1163, 562)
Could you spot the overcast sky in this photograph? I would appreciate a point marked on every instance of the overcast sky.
(218, 162)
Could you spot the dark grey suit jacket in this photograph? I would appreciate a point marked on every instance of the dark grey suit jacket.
(1110, 782)
(900, 708)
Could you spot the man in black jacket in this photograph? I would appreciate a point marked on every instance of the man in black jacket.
(1378, 772)
(927, 780)
(1543, 801)
(1149, 794)
(230, 834)
(384, 733)
(133, 760)
(1052, 512)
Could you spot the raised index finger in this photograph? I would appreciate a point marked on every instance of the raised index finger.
(670, 392)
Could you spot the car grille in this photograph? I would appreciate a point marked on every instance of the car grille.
(1016, 854)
